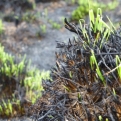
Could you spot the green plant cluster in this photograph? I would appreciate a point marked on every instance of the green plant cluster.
(98, 26)
(86, 5)
(54, 24)
(29, 17)
(20, 85)
(43, 28)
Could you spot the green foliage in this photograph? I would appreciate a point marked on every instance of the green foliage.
(16, 77)
(1, 27)
(29, 17)
(33, 83)
(107, 119)
(100, 118)
(43, 28)
(118, 64)
(86, 5)
(97, 25)
(114, 92)
(55, 25)
(33, 5)
(6, 108)
(93, 62)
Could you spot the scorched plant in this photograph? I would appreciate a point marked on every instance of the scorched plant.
(87, 75)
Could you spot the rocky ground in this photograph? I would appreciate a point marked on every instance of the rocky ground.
(28, 39)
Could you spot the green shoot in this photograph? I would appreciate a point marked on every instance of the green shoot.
(118, 62)
(70, 74)
(79, 97)
(93, 62)
(66, 88)
(111, 23)
(114, 92)
(107, 119)
(1, 109)
(100, 118)
(4, 103)
(43, 28)
(56, 25)
(7, 112)
(91, 16)
(33, 5)
(21, 65)
(98, 25)
(50, 116)
(83, 29)
(73, 1)
(32, 81)
(86, 5)
(1, 27)
(100, 75)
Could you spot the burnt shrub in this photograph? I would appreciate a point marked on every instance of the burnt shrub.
(87, 76)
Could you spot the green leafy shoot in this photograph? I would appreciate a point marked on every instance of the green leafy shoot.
(114, 92)
(107, 119)
(50, 116)
(93, 62)
(98, 26)
(32, 81)
(55, 25)
(43, 28)
(91, 16)
(79, 97)
(111, 23)
(1, 109)
(105, 36)
(10, 106)
(100, 118)
(86, 5)
(70, 74)
(82, 26)
(67, 89)
(112, 5)
(21, 65)
(100, 75)
(118, 65)
(1, 27)
(4, 103)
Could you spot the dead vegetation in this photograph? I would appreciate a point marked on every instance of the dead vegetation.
(79, 92)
